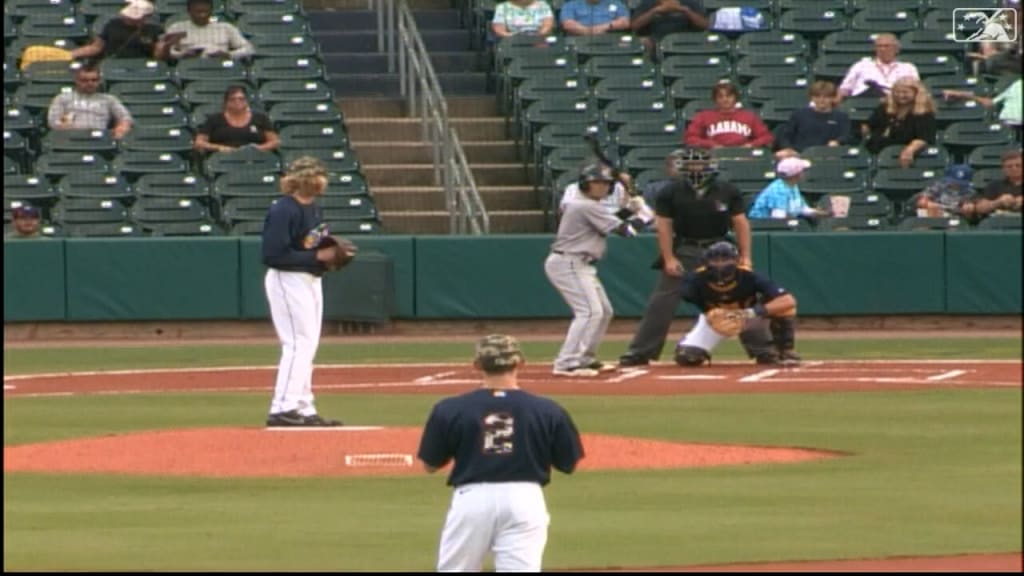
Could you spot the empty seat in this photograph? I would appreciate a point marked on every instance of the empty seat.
(89, 211)
(54, 165)
(756, 65)
(50, 71)
(247, 184)
(153, 92)
(158, 139)
(295, 91)
(97, 141)
(833, 66)
(155, 209)
(211, 91)
(241, 7)
(964, 136)
(70, 26)
(280, 45)
(36, 98)
(135, 163)
(336, 160)
(647, 157)
(916, 223)
(247, 159)
(287, 68)
(186, 228)
(853, 156)
(778, 88)
(28, 188)
(223, 70)
(157, 115)
(339, 208)
(686, 65)
(772, 42)
(183, 185)
(989, 156)
(631, 109)
(306, 136)
(283, 114)
(1001, 222)
(255, 23)
(117, 228)
(25, 8)
(930, 40)
(826, 177)
(780, 225)
(545, 87)
(929, 157)
(852, 223)
(899, 184)
(347, 184)
(601, 67)
(11, 166)
(587, 47)
(614, 88)
(246, 209)
(812, 22)
(891, 19)
(96, 185)
(933, 64)
(556, 111)
(134, 70)
(708, 43)
(645, 134)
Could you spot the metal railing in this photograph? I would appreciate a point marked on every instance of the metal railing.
(398, 35)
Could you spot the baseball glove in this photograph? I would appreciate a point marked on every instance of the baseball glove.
(343, 251)
(728, 323)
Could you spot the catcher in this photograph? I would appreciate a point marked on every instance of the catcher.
(736, 301)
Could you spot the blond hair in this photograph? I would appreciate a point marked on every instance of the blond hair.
(304, 177)
(923, 103)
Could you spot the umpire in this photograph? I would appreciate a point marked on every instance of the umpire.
(693, 211)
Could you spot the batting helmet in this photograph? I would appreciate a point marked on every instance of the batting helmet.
(695, 165)
(721, 258)
(594, 173)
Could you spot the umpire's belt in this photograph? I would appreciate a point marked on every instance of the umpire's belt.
(586, 259)
(703, 243)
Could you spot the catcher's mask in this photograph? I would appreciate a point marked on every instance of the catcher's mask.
(594, 173)
(695, 165)
(721, 259)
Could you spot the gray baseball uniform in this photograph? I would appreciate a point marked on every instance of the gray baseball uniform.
(581, 241)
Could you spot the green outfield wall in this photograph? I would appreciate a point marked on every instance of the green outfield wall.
(446, 277)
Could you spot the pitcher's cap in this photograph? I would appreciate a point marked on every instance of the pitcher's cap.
(498, 351)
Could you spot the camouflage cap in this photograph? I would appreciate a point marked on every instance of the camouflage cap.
(498, 352)
(306, 167)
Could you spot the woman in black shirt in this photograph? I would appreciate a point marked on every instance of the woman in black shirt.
(236, 126)
(905, 117)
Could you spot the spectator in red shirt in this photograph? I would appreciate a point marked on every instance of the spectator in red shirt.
(727, 124)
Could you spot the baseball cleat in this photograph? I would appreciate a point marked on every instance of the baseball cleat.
(602, 367)
(577, 372)
(631, 360)
(289, 418)
(317, 420)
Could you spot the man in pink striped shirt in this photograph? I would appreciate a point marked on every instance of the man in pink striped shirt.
(875, 76)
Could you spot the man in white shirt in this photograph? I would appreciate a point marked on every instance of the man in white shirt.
(199, 37)
(875, 76)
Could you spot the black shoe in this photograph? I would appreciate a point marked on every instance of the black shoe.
(769, 359)
(790, 355)
(602, 367)
(317, 420)
(286, 419)
(633, 360)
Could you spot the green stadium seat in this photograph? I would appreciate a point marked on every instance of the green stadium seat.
(11, 166)
(96, 141)
(645, 134)
(567, 159)
(982, 176)
(601, 67)
(695, 87)
(951, 111)
(155, 209)
(246, 209)
(853, 223)
(55, 165)
(902, 5)
(313, 136)
(89, 211)
(354, 227)
(614, 88)
(200, 92)
(587, 47)
(135, 163)
(770, 64)
(1001, 222)
(340, 208)
(100, 9)
(525, 46)
(337, 160)
(859, 108)
(931, 64)
(941, 19)
(556, 111)
(775, 112)
(851, 156)
(812, 22)
(95, 185)
(47, 71)
(639, 108)
(276, 91)
(949, 5)
(565, 134)
(184, 185)
(647, 157)
(159, 139)
(930, 157)
(973, 84)
(201, 112)
(749, 175)
(190, 228)
(859, 42)
(917, 224)
(935, 41)
(833, 66)
(247, 184)
(224, 71)
(772, 42)
(10, 28)
(284, 114)
(16, 146)
(240, 7)
(961, 137)
(158, 92)
(892, 19)
(255, 23)
(780, 225)
(989, 156)
(21, 9)
(247, 228)
(683, 66)
(134, 70)
(287, 68)
(552, 64)
(690, 43)
(247, 159)
(70, 26)
(347, 184)
(28, 188)
(544, 87)
(899, 184)
(740, 153)
(757, 4)
(158, 115)
(122, 228)
(277, 45)
(12, 77)
(777, 88)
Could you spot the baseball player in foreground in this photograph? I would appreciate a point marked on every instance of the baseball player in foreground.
(580, 243)
(297, 250)
(735, 301)
(504, 441)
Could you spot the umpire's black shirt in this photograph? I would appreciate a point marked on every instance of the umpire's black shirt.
(699, 217)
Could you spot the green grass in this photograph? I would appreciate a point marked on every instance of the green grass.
(927, 472)
(36, 360)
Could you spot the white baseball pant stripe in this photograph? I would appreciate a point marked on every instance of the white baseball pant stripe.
(296, 305)
(509, 519)
(582, 290)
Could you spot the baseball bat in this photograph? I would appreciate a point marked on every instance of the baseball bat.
(595, 147)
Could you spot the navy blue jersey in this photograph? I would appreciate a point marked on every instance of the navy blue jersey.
(500, 436)
(292, 232)
(700, 289)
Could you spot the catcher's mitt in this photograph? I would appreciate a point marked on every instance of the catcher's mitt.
(343, 251)
(728, 323)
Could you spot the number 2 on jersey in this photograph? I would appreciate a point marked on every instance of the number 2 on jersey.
(498, 430)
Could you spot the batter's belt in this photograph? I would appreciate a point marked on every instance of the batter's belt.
(586, 259)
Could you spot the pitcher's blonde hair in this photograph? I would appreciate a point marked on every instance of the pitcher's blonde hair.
(304, 177)
(923, 102)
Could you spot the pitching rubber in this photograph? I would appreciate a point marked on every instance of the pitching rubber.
(364, 460)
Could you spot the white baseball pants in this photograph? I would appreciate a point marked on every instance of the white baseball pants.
(296, 305)
(579, 285)
(508, 518)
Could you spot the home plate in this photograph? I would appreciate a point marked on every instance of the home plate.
(9, 386)
(693, 377)
(322, 428)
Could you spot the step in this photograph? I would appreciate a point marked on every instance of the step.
(427, 198)
(405, 152)
(360, 20)
(423, 175)
(345, 63)
(381, 129)
(438, 222)
(448, 40)
(346, 85)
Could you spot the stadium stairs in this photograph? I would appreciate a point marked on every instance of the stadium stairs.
(396, 161)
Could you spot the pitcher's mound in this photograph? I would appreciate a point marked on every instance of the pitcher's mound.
(248, 452)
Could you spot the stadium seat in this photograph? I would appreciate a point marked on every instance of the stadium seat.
(526, 46)
(757, 65)
(951, 111)
(16, 147)
(134, 70)
(246, 184)
(777, 88)
(973, 84)
(601, 67)
(96, 141)
(587, 47)
(749, 175)
(780, 225)
(37, 97)
(201, 112)
(295, 91)
(155, 209)
(286, 113)
(160, 139)
(852, 223)
(932, 64)
(185, 185)
(565, 134)
(905, 5)
(686, 65)
(158, 92)
(96, 185)
(19, 119)
(69, 26)
(89, 211)
(247, 228)
(135, 163)
(614, 88)
(740, 153)
(337, 160)
(639, 108)
(284, 46)
(935, 41)
(176, 8)
(851, 156)
(859, 42)
(99, 9)
(833, 177)
(949, 5)
(246, 209)
(544, 64)
(544, 87)
(836, 5)
(28, 188)
(775, 112)
(287, 68)
(1001, 222)
(189, 228)
(859, 108)
(917, 224)
(694, 87)
(645, 134)
(647, 157)
(10, 28)
(158, 115)
(256, 23)
(240, 7)
(50, 71)
(55, 165)
(833, 66)
(556, 111)
(224, 71)
(123, 228)
(989, 156)
(772, 42)
(982, 176)
(340, 208)
(247, 159)
(347, 184)
(899, 184)
(12, 77)
(930, 157)
(352, 227)
(892, 18)
(11, 166)
(211, 91)
(812, 22)
(962, 137)
(707, 44)
(306, 136)
(941, 19)
(567, 159)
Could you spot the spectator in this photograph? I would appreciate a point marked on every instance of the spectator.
(592, 17)
(1011, 99)
(236, 126)
(128, 36)
(782, 198)
(999, 57)
(199, 37)
(522, 17)
(876, 76)
(658, 18)
(26, 223)
(906, 116)
(85, 108)
(1002, 195)
(951, 195)
(820, 124)
(728, 124)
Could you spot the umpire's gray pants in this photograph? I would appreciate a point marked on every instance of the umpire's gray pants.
(576, 280)
(649, 340)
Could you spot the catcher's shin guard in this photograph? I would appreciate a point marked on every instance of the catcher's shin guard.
(757, 339)
(784, 333)
(692, 356)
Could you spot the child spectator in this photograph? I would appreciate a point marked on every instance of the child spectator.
(782, 198)
(727, 124)
(820, 124)
(949, 196)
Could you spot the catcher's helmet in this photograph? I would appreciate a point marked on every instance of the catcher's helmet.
(695, 165)
(596, 172)
(721, 259)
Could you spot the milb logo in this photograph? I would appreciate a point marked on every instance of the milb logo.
(985, 25)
